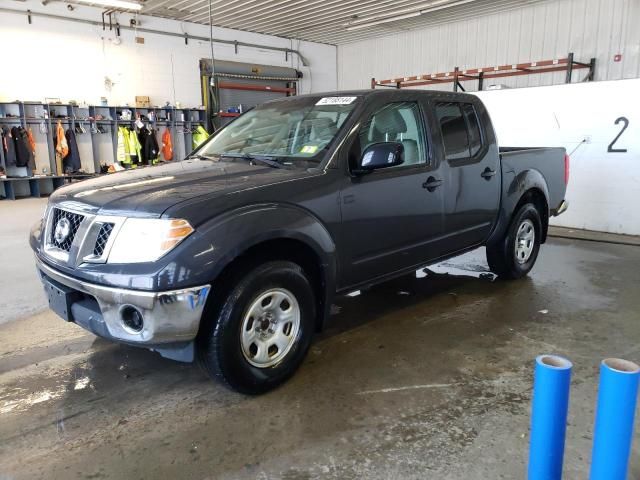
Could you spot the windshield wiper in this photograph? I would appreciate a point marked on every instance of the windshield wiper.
(266, 160)
(199, 156)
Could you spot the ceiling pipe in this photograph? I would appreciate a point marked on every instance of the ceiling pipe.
(182, 36)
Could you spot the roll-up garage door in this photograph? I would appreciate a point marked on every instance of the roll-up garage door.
(232, 88)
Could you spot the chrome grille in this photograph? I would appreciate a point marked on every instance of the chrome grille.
(75, 220)
(102, 239)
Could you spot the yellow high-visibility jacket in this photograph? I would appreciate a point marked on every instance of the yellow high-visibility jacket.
(121, 153)
(199, 136)
(128, 147)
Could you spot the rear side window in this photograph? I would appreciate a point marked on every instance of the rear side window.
(460, 129)
(473, 128)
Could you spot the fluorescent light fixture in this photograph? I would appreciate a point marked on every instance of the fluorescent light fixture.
(413, 10)
(433, 6)
(383, 20)
(123, 4)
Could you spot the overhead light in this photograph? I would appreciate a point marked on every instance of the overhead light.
(412, 10)
(122, 4)
(383, 20)
(400, 15)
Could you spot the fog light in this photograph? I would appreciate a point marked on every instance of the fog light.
(132, 319)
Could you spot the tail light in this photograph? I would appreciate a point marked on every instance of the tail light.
(567, 161)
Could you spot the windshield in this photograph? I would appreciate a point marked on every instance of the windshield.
(298, 129)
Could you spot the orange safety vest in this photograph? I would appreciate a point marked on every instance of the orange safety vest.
(167, 146)
(32, 141)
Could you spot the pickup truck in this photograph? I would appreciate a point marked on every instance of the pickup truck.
(234, 256)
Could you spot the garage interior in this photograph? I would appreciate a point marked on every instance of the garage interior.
(424, 376)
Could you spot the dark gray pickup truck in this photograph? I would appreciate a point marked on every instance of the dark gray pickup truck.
(234, 255)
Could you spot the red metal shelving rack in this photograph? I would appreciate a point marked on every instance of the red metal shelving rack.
(456, 75)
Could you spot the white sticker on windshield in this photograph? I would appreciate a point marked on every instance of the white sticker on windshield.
(335, 101)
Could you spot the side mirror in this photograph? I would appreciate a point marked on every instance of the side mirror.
(381, 155)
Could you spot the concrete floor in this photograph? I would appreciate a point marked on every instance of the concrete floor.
(421, 378)
(18, 277)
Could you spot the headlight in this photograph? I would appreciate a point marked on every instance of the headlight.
(147, 239)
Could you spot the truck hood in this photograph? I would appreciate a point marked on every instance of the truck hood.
(151, 191)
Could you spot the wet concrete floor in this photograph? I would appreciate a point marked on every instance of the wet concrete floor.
(420, 378)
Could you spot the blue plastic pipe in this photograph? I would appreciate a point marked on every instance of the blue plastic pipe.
(617, 397)
(550, 404)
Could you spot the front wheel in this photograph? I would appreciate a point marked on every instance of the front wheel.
(516, 254)
(262, 331)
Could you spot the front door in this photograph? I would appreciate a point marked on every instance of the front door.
(391, 216)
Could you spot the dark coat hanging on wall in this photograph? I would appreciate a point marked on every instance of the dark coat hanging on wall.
(71, 162)
(8, 147)
(150, 150)
(24, 154)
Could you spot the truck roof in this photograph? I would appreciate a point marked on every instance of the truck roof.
(390, 92)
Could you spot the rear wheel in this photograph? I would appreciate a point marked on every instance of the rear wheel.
(517, 253)
(259, 335)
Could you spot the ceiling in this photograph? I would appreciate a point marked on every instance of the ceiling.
(326, 21)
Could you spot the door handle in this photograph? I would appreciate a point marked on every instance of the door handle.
(431, 184)
(488, 173)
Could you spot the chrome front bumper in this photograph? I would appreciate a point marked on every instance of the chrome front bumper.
(170, 316)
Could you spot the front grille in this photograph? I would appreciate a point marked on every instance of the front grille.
(102, 239)
(75, 220)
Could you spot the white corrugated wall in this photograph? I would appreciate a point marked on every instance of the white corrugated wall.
(540, 31)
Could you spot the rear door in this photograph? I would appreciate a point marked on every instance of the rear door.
(472, 173)
(391, 217)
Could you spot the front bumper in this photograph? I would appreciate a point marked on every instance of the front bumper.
(170, 318)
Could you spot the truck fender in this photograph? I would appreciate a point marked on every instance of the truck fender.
(223, 239)
(514, 189)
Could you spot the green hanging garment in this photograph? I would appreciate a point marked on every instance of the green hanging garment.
(134, 147)
(121, 151)
(199, 136)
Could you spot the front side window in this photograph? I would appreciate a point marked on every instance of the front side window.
(396, 122)
(460, 129)
(291, 129)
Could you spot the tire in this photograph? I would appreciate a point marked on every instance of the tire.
(509, 262)
(259, 334)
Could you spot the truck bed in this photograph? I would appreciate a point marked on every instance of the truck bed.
(548, 161)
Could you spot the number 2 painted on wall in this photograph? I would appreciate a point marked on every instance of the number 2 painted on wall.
(624, 120)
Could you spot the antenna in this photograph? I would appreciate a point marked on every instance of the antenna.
(213, 67)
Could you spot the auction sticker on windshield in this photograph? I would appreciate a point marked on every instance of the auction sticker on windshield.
(309, 149)
(335, 101)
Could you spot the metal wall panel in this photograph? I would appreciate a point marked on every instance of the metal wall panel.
(538, 31)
